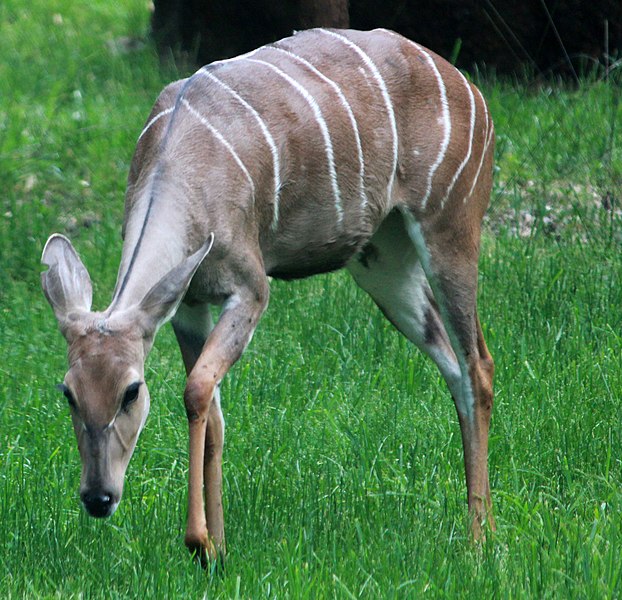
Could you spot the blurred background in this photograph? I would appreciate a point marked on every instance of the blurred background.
(540, 37)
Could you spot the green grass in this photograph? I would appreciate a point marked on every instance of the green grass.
(343, 468)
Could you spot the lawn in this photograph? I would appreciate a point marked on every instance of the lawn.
(343, 470)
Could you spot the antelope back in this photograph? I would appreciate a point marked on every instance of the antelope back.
(305, 145)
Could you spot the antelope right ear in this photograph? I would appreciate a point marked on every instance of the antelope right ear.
(66, 284)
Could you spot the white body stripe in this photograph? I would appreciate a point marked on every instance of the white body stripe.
(445, 118)
(487, 135)
(267, 135)
(166, 111)
(222, 140)
(348, 109)
(319, 117)
(470, 148)
(385, 96)
(169, 110)
(224, 61)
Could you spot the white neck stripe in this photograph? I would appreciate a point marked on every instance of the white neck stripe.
(169, 110)
(161, 114)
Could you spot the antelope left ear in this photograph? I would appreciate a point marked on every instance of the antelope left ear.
(162, 300)
(66, 284)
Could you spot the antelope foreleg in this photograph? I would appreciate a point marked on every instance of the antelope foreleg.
(197, 400)
(212, 471)
(225, 344)
(205, 532)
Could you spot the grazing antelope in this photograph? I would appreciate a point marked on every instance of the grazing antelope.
(327, 149)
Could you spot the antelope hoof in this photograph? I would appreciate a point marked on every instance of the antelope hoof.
(480, 525)
(204, 550)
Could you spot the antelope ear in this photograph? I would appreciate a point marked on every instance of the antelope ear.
(66, 284)
(162, 300)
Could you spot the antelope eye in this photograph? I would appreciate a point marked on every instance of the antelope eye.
(131, 395)
(67, 393)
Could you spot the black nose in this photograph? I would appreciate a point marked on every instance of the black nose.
(97, 503)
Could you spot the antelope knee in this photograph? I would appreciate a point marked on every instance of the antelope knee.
(485, 372)
(487, 364)
(198, 397)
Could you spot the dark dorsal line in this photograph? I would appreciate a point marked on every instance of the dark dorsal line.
(152, 192)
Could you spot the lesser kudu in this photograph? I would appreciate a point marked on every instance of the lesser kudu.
(328, 149)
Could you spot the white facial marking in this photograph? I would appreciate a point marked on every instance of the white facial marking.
(385, 96)
(346, 105)
(123, 443)
(165, 112)
(143, 418)
(319, 117)
(470, 148)
(267, 135)
(222, 140)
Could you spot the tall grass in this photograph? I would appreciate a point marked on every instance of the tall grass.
(343, 467)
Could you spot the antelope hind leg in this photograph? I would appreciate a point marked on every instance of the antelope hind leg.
(453, 279)
(390, 270)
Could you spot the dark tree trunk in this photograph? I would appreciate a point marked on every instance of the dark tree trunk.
(540, 36)
(323, 13)
(206, 30)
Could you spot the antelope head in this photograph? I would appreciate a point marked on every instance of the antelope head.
(105, 386)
